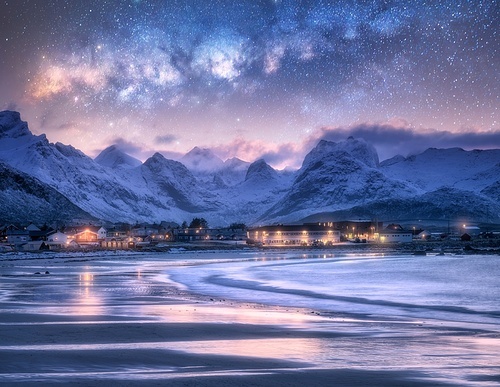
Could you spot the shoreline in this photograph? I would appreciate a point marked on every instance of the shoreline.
(483, 246)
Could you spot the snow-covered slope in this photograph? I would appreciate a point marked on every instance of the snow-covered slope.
(262, 188)
(25, 199)
(335, 176)
(175, 186)
(66, 169)
(103, 192)
(232, 172)
(454, 167)
(437, 206)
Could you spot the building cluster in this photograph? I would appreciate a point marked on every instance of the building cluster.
(358, 231)
(326, 233)
(33, 238)
(125, 236)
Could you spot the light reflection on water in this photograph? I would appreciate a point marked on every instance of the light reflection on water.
(445, 359)
(88, 302)
(296, 349)
(334, 352)
(227, 314)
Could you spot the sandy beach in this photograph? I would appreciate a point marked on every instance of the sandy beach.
(116, 319)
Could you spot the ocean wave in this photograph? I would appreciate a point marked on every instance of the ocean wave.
(261, 287)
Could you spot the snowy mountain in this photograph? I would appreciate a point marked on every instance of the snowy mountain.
(112, 157)
(336, 176)
(98, 190)
(454, 167)
(175, 186)
(337, 179)
(262, 187)
(66, 169)
(446, 184)
(232, 172)
(433, 207)
(26, 199)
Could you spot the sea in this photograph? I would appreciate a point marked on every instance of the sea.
(297, 317)
(460, 289)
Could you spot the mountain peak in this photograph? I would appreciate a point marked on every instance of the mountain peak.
(202, 160)
(393, 160)
(12, 126)
(159, 164)
(158, 156)
(260, 170)
(112, 157)
(357, 149)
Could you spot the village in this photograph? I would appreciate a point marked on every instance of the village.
(143, 235)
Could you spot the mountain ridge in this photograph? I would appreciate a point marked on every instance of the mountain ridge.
(344, 177)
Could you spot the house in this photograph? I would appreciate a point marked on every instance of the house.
(57, 237)
(57, 240)
(117, 232)
(290, 235)
(34, 246)
(424, 235)
(118, 244)
(191, 234)
(32, 227)
(87, 234)
(37, 234)
(354, 229)
(395, 236)
(17, 237)
(144, 230)
(472, 231)
(4, 229)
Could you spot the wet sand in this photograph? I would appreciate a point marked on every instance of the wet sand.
(96, 321)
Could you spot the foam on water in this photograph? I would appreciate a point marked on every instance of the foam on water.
(454, 288)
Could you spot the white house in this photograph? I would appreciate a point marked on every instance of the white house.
(58, 237)
(102, 233)
(57, 240)
(395, 236)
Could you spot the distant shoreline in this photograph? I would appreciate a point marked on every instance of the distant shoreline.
(483, 246)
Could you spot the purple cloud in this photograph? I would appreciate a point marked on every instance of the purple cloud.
(390, 140)
(166, 139)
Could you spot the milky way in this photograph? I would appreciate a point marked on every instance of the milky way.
(252, 78)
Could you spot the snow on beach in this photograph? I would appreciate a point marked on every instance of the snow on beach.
(233, 317)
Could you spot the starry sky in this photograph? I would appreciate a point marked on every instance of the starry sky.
(253, 78)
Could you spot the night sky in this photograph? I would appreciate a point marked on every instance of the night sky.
(253, 78)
